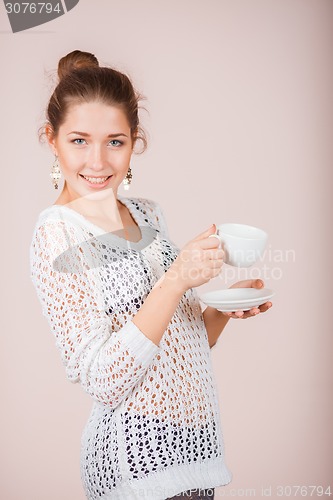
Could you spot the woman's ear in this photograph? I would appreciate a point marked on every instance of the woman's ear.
(134, 138)
(50, 137)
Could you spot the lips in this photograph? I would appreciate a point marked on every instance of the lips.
(95, 177)
(94, 181)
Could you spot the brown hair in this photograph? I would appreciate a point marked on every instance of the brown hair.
(81, 80)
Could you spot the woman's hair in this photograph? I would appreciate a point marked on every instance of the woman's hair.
(82, 80)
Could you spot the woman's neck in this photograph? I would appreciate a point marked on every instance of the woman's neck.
(98, 204)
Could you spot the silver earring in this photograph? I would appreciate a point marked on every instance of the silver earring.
(55, 172)
(128, 179)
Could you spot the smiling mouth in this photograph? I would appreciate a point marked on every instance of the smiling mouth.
(96, 180)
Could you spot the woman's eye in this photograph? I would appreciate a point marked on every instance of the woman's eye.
(115, 140)
(78, 140)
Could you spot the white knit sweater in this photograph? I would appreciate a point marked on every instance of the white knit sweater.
(154, 429)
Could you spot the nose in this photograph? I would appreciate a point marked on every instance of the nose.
(98, 158)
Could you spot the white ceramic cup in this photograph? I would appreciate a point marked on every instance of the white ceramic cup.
(243, 245)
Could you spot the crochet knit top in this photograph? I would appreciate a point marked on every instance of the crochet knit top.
(154, 429)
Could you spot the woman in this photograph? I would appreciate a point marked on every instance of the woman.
(120, 299)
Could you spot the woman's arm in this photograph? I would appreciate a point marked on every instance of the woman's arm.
(215, 322)
(106, 358)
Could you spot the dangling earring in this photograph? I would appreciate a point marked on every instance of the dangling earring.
(128, 178)
(55, 172)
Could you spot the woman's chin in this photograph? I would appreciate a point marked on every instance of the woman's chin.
(100, 194)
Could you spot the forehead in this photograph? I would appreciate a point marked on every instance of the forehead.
(94, 117)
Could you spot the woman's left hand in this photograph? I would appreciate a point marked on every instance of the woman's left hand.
(257, 283)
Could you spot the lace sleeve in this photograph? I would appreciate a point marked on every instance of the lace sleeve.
(106, 360)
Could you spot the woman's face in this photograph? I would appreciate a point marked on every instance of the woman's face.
(93, 143)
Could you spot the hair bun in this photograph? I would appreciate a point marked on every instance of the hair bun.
(76, 60)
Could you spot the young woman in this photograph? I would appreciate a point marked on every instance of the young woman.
(121, 302)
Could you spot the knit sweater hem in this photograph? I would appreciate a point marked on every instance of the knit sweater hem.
(173, 480)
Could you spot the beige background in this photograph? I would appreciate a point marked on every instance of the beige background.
(239, 95)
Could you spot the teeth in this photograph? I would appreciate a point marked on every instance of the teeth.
(96, 180)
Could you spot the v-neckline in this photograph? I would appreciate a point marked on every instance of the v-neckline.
(98, 229)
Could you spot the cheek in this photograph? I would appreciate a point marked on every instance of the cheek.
(71, 163)
(121, 160)
(128, 155)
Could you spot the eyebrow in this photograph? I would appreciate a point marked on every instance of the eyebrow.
(84, 134)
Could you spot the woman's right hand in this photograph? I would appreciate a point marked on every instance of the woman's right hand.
(199, 261)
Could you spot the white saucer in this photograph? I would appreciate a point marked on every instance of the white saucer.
(236, 299)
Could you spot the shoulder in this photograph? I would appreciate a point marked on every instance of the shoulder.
(54, 229)
(153, 213)
(146, 205)
(58, 216)
(52, 214)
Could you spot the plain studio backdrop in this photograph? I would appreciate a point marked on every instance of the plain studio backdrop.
(239, 101)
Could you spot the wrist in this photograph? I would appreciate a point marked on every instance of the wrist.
(172, 281)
